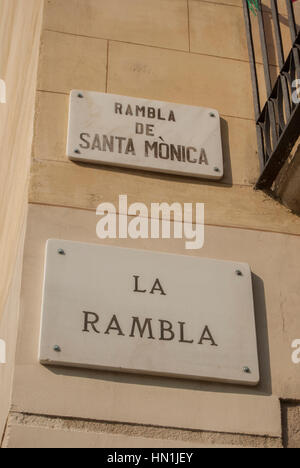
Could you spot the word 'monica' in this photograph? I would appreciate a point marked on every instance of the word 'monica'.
(155, 149)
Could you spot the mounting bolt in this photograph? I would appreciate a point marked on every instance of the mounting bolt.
(61, 252)
(239, 273)
(57, 349)
(81, 96)
(77, 151)
(247, 370)
(216, 169)
(211, 114)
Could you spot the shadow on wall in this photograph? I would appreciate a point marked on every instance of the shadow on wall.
(264, 388)
(287, 186)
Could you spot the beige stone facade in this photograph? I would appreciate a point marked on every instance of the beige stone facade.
(192, 52)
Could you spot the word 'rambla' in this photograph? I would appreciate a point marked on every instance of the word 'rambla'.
(114, 222)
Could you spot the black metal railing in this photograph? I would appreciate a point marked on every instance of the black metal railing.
(278, 123)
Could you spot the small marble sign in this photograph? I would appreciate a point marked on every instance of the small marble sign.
(143, 312)
(145, 134)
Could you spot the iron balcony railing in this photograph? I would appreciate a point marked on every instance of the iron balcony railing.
(278, 123)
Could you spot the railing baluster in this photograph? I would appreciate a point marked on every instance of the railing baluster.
(268, 82)
(264, 50)
(256, 100)
(292, 22)
(272, 123)
(252, 60)
(293, 31)
(278, 35)
(280, 56)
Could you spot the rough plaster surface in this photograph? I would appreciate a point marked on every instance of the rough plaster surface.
(128, 435)
(291, 424)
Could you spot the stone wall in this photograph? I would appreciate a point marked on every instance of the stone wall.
(191, 52)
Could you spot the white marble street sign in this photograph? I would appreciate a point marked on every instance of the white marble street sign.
(150, 313)
(146, 135)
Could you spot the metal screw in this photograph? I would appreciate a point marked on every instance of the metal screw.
(216, 169)
(211, 114)
(80, 96)
(247, 370)
(61, 252)
(57, 349)
(239, 273)
(77, 151)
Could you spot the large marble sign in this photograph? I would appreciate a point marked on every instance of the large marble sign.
(142, 312)
(145, 135)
